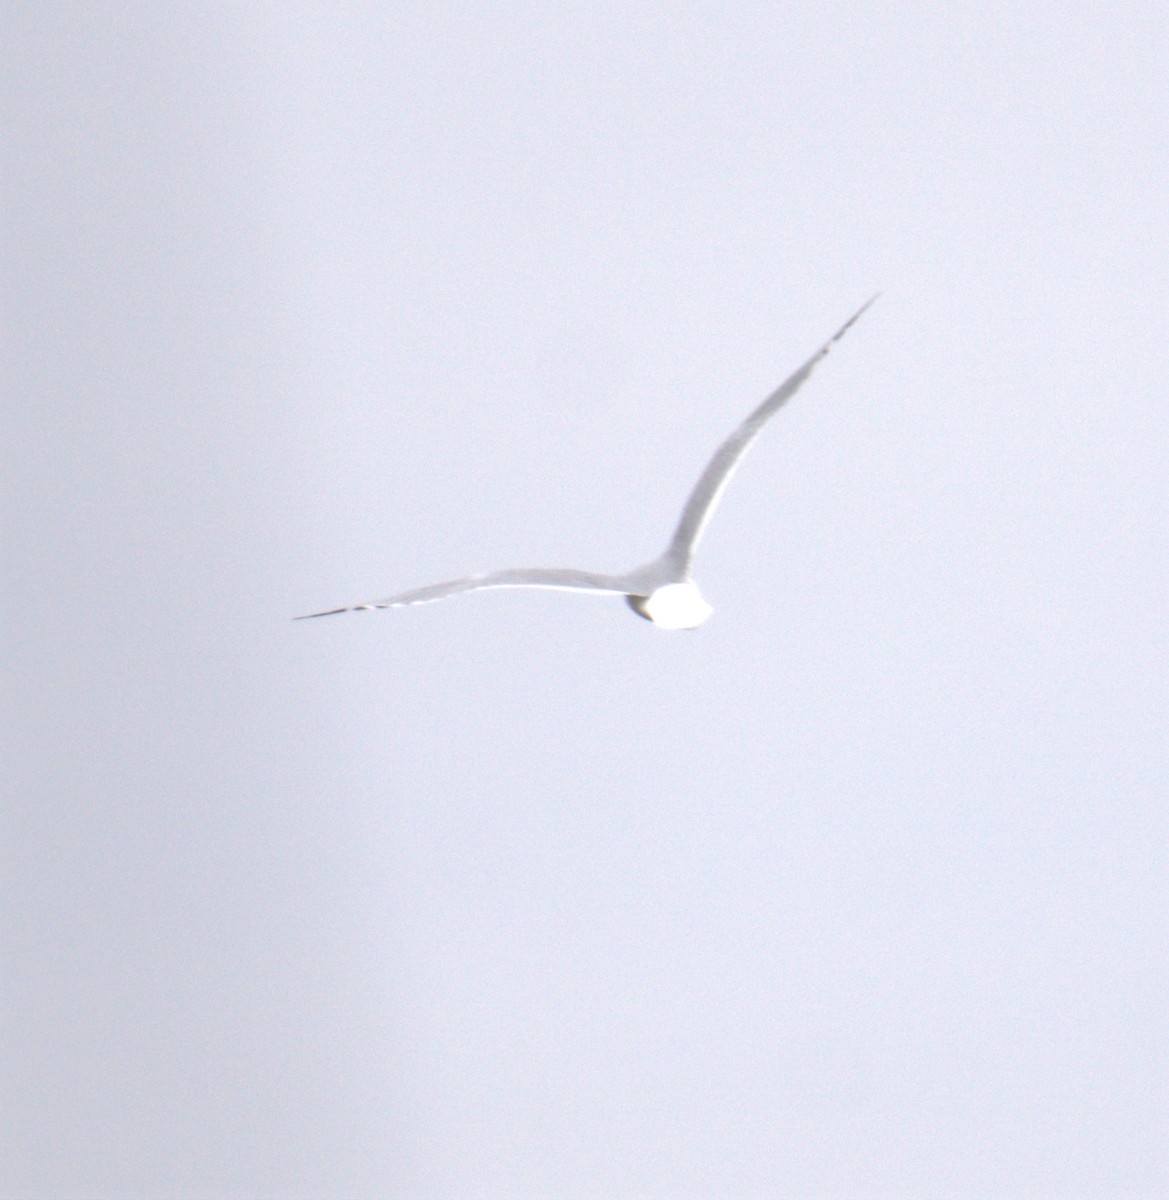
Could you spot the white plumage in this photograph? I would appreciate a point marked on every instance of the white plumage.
(661, 590)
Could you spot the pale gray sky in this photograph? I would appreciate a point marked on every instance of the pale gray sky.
(857, 892)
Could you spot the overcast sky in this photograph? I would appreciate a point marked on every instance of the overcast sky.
(858, 891)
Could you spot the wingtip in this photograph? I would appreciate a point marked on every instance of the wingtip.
(856, 316)
(329, 612)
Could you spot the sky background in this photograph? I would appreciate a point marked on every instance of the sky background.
(858, 891)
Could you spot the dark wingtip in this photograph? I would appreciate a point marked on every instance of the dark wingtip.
(856, 316)
(331, 612)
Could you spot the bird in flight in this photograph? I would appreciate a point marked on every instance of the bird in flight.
(661, 590)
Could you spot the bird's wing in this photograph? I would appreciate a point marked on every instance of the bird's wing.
(529, 577)
(721, 467)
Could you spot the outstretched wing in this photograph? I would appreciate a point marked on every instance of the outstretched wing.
(529, 577)
(721, 467)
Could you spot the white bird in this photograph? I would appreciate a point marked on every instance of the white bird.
(660, 590)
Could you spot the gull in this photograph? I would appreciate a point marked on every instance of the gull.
(661, 590)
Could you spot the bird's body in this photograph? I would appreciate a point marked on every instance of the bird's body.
(673, 606)
(662, 590)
